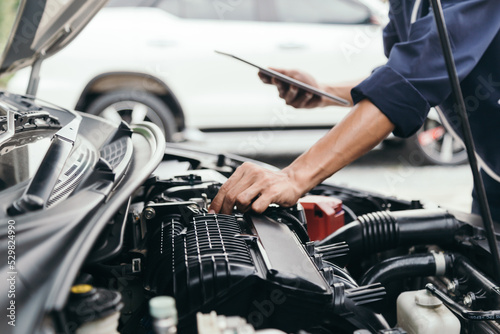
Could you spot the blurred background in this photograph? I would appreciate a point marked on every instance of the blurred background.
(8, 10)
(154, 60)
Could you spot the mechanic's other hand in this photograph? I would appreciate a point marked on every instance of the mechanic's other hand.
(254, 187)
(292, 95)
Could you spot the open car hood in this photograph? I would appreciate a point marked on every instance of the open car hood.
(44, 27)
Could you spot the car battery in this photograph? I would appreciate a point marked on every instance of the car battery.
(324, 215)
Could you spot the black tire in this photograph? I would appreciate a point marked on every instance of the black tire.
(434, 145)
(122, 103)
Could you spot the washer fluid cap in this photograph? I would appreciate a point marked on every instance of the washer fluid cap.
(81, 288)
(427, 299)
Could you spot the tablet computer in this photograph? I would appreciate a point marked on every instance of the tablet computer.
(289, 80)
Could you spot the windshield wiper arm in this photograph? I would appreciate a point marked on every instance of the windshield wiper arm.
(38, 192)
(10, 127)
(16, 121)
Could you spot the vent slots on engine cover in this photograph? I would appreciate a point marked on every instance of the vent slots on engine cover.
(250, 266)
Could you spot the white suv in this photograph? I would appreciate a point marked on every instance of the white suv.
(156, 59)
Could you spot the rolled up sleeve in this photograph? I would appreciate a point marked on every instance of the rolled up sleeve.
(415, 77)
(391, 92)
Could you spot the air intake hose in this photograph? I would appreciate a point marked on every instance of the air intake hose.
(384, 230)
(414, 265)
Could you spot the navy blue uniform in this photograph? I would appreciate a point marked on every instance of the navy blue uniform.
(415, 77)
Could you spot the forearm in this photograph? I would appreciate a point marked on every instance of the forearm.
(361, 130)
(254, 187)
(342, 90)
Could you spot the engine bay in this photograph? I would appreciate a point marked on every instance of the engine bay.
(266, 270)
(115, 235)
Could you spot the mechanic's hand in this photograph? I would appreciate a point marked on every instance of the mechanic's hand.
(292, 95)
(254, 187)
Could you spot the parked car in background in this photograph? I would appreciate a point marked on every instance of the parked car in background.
(155, 60)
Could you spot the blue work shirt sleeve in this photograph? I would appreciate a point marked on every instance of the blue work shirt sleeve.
(390, 34)
(415, 76)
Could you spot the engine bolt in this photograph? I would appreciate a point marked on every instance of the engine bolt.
(468, 299)
(451, 286)
(149, 213)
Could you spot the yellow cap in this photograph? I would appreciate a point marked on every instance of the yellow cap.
(81, 288)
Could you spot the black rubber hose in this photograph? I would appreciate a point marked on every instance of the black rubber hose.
(350, 212)
(415, 265)
(384, 230)
(299, 228)
(339, 272)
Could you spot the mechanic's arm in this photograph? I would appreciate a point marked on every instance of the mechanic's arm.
(299, 98)
(254, 187)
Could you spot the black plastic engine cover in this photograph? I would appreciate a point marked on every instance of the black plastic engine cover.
(250, 266)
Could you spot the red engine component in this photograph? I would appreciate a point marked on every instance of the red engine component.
(324, 215)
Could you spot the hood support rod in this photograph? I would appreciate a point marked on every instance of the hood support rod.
(34, 77)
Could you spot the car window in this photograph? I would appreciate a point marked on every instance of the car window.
(130, 3)
(239, 10)
(171, 6)
(322, 11)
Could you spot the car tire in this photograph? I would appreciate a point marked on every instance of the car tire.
(434, 145)
(135, 106)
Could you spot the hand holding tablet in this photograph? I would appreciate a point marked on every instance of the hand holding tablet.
(290, 81)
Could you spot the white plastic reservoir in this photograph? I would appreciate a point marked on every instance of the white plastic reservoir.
(420, 312)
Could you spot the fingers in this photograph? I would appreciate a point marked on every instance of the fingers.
(264, 78)
(237, 190)
(243, 189)
(261, 204)
(231, 197)
(254, 187)
(287, 92)
(245, 199)
(218, 201)
(295, 97)
(268, 79)
(282, 87)
(313, 102)
(302, 100)
(292, 95)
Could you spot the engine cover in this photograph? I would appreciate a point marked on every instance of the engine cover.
(251, 266)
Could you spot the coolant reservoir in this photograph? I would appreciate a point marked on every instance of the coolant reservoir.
(420, 312)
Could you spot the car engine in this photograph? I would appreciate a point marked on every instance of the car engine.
(266, 270)
(114, 234)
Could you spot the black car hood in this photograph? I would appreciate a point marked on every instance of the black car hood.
(43, 27)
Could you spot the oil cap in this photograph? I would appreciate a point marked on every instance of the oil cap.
(87, 303)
